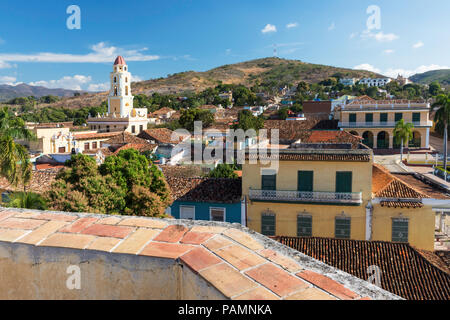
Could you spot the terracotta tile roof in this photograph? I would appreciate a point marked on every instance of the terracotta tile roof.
(295, 130)
(395, 192)
(91, 136)
(426, 188)
(161, 135)
(333, 136)
(124, 138)
(218, 190)
(40, 182)
(119, 60)
(182, 171)
(404, 270)
(217, 253)
(311, 157)
(162, 111)
(317, 107)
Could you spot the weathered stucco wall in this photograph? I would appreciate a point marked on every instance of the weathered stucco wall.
(32, 272)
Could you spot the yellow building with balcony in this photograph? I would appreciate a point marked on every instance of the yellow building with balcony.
(374, 121)
(312, 190)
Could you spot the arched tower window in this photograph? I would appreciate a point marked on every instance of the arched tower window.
(126, 90)
(115, 90)
(125, 68)
(126, 79)
(115, 80)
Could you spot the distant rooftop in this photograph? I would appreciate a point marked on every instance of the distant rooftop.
(405, 271)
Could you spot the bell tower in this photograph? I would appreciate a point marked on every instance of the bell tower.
(120, 100)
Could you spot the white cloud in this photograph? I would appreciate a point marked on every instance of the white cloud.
(77, 82)
(418, 45)
(96, 87)
(269, 28)
(393, 73)
(410, 72)
(292, 25)
(5, 65)
(8, 80)
(353, 35)
(100, 53)
(332, 27)
(380, 36)
(368, 67)
(388, 51)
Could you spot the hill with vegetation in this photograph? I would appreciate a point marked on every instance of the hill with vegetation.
(8, 92)
(268, 72)
(441, 76)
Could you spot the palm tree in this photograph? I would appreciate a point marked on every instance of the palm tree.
(442, 118)
(403, 134)
(27, 200)
(14, 159)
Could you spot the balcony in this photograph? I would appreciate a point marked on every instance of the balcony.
(340, 198)
(380, 124)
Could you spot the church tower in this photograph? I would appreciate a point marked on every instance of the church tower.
(120, 100)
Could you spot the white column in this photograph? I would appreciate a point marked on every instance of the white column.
(369, 217)
(427, 138)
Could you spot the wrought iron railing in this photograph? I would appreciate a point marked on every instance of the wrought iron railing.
(306, 196)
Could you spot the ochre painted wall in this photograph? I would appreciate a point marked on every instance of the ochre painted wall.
(420, 225)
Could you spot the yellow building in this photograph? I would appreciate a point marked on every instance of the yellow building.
(375, 120)
(327, 191)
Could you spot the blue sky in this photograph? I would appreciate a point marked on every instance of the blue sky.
(158, 38)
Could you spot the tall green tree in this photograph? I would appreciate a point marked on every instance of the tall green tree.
(442, 119)
(223, 170)
(126, 183)
(403, 133)
(14, 158)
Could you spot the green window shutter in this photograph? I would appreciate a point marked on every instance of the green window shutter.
(342, 228)
(304, 226)
(352, 117)
(400, 230)
(369, 117)
(305, 181)
(269, 182)
(398, 117)
(383, 117)
(344, 181)
(416, 117)
(268, 224)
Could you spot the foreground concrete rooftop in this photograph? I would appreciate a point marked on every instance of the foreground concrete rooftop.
(146, 258)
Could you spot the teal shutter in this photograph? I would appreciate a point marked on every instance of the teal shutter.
(416, 117)
(342, 228)
(269, 182)
(268, 224)
(400, 230)
(398, 117)
(305, 181)
(369, 117)
(352, 117)
(383, 117)
(304, 226)
(344, 181)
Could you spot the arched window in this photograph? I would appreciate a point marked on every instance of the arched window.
(126, 80)
(115, 80)
(125, 68)
(126, 90)
(115, 91)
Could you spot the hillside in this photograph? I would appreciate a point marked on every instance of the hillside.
(8, 92)
(442, 76)
(247, 73)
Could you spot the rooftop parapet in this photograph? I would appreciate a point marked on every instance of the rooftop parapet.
(121, 257)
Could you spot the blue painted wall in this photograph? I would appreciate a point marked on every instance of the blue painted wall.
(232, 210)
